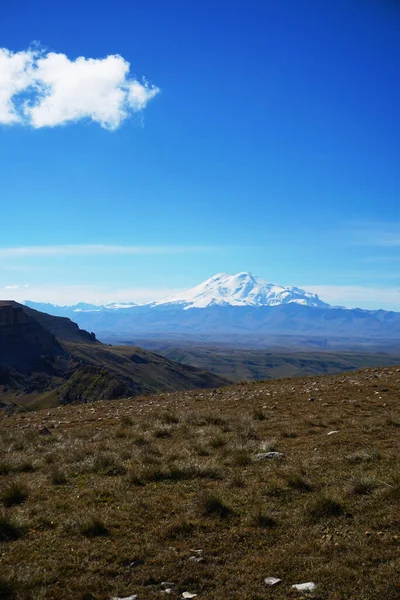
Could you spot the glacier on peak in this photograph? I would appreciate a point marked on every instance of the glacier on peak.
(242, 289)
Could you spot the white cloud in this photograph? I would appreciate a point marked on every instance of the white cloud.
(48, 89)
(96, 250)
(15, 77)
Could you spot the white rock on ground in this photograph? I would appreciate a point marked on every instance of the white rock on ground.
(272, 580)
(265, 455)
(133, 597)
(188, 595)
(309, 586)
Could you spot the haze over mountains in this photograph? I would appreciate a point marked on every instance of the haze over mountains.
(240, 309)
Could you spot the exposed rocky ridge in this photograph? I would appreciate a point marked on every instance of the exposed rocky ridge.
(25, 343)
(41, 354)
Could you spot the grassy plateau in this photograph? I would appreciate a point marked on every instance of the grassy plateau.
(178, 492)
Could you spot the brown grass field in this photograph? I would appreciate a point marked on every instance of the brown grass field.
(111, 499)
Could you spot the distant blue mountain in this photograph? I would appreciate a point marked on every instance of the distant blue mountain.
(239, 306)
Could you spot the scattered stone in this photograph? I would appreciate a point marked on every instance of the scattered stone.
(133, 597)
(272, 580)
(136, 563)
(188, 595)
(197, 555)
(332, 432)
(309, 586)
(167, 587)
(45, 431)
(265, 455)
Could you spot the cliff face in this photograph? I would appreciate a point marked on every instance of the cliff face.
(61, 327)
(24, 343)
(40, 353)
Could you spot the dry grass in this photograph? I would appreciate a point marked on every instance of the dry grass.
(124, 495)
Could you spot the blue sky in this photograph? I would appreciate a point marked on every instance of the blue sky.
(256, 136)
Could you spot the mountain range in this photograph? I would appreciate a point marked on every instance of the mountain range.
(47, 360)
(241, 308)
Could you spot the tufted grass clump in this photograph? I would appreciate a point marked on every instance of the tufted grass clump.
(296, 481)
(362, 485)
(58, 477)
(93, 527)
(213, 506)
(263, 521)
(15, 493)
(325, 507)
(10, 528)
(363, 455)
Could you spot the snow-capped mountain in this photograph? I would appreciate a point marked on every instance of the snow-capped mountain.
(81, 307)
(243, 289)
(239, 307)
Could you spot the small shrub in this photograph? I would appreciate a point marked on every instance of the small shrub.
(238, 482)
(108, 465)
(10, 529)
(25, 466)
(247, 433)
(393, 489)
(276, 491)
(259, 415)
(126, 421)
(241, 458)
(92, 527)
(44, 523)
(202, 450)
(142, 441)
(14, 494)
(214, 420)
(297, 482)
(133, 479)
(7, 591)
(218, 442)
(180, 530)
(363, 455)
(214, 507)
(58, 477)
(120, 433)
(169, 418)
(269, 445)
(362, 485)
(49, 458)
(162, 431)
(263, 521)
(180, 473)
(325, 507)
(5, 468)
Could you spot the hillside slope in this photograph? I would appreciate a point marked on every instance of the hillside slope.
(48, 360)
(116, 498)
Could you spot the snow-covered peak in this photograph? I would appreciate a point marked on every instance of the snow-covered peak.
(243, 289)
(118, 305)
